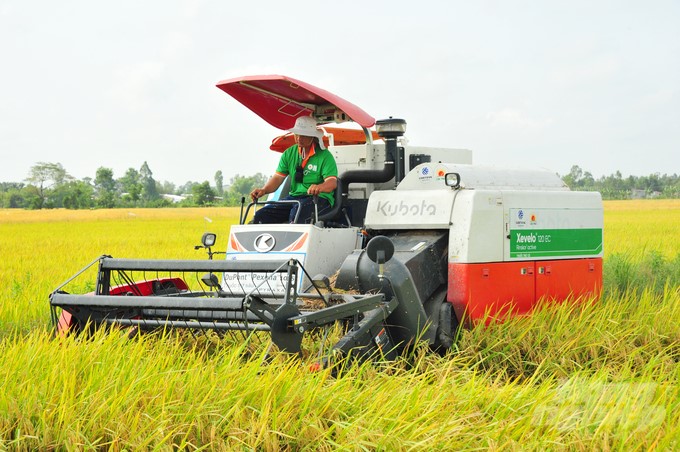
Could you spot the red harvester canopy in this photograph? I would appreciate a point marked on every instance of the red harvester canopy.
(280, 100)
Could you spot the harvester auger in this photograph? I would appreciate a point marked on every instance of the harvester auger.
(419, 242)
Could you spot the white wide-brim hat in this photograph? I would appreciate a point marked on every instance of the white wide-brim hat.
(306, 126)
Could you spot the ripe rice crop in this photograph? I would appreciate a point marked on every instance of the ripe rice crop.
(640, 226)
(599, 375)
(642, 245)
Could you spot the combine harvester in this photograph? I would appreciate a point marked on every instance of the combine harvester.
(418, 243)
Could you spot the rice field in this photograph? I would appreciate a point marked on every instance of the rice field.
(593, 376)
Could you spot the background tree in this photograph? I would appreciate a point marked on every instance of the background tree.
(671, 189)
(131, 186)
(49, 185)
(77, 195)
(149, 192)
(573, 179)
(186, 189)
(615, 186)
(32, 197)
(44, 177)
(105, 188)
(165, 187)
(203, 194)
(219, 183)
(241, 186)
(11, 195)
(588, 181)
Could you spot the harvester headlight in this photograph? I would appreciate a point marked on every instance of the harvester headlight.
(452, 180)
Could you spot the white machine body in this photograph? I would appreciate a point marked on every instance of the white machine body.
(373, 156)
(316, 248)
(496, 215)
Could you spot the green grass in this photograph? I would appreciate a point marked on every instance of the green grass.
(597, 375)
(625, 272)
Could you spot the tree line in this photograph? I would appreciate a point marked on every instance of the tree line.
(615, 186)
(49, 186)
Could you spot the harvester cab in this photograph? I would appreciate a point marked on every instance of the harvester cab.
(419, 242)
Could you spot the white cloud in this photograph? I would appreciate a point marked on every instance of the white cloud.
(176, 44)
(131, 84)
(5, 9)
(515, 118)
(597, 70)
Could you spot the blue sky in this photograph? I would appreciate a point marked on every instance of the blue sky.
(521, 83)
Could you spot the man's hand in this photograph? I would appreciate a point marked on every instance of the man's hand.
(326, 186)
(313, 190)
(257, 193)
(270, 187)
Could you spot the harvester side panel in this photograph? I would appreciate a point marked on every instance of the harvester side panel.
(476, 233)
(508, 249)
(552, 225)
(494, 290)
(514, 225)
(562, 279)
(410, 209)
(491, 290)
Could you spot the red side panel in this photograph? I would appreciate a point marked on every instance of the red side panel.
(562, 279)
(65, 323)
(146, 288)
(491, 290)
(139, 288)
(495, 290)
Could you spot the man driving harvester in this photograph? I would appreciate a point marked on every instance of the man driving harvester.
(312, 171)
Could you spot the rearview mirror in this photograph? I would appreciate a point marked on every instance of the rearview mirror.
(208, 239)
(210, 280)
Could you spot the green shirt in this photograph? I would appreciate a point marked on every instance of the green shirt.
(319, 167)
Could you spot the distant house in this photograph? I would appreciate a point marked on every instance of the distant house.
(638, 194)
(174, 198)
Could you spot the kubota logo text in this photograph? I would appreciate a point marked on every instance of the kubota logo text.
(389, 208)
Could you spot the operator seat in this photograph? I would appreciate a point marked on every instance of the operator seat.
(284, 190)
(338, 213)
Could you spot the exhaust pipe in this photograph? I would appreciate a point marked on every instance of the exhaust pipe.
(365, 176)
(389, 130)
